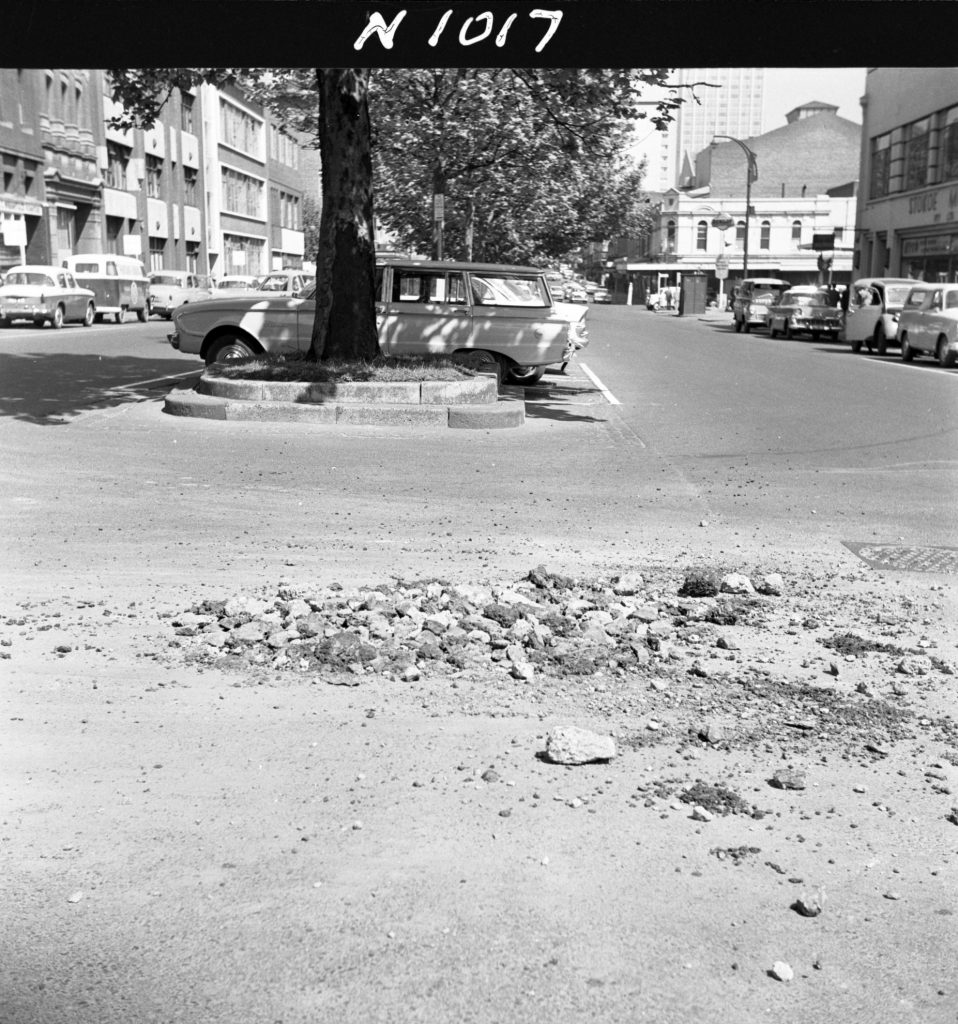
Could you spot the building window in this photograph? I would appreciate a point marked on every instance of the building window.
(114, 231)
(796, 233)
(243, 255)
(189, 186)
(880, 166)
(670, 236)
(240, 130)
(9, 173)
(702, 236)
(916, 153)
(242, 194)
(157, 248)
(765, 237)
(948, 148)
(66, 230)
(117, 161)
(740, 234)
(154, 175)
(192, 256)
(839, 234)
(186, 112)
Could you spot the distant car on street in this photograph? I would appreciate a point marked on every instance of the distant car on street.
(575, 293)
(751, 299)
(170, 289)
(285, 282)
(871, 318)
(45, 294)
(234, 284)
(811, 311)
(602, 295)
(484, 314)
(928, 323)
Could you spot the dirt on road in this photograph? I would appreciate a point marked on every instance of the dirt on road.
(309, 802)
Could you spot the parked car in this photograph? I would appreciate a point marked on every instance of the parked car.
(575, 293)
(751, 299)
(602, 295)
(871, 318)
(928, 323)
(45, 294)
(485, 314)
(234, 284)
(170, 289)
(811, 311)
(285, 282)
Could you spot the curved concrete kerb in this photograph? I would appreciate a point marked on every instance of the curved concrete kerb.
(473, 403)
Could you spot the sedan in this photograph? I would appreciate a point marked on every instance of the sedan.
(45, 294)
(801, 311)
(489, 315)
(602, 295)
(928, 324)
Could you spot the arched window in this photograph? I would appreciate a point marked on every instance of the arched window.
(765, 238)
(740, 234)
(670, 234)
(796, 233)
(702, 236)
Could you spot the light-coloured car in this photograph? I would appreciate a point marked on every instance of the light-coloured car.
(170, 289)
(928, 323)
(809, 310)
(575, 293)
(751, 299)
(871, 318)
(234, 284)
(602, 295)
(485, 314)
(45, 294)
(285, 282)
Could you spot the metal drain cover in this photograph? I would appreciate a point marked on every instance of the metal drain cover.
(908, 559)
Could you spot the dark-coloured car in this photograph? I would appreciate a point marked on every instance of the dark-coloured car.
(811, 311)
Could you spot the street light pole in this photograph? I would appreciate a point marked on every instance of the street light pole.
(751, 174)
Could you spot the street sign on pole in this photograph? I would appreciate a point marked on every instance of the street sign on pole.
(722, 221)
(721, 267)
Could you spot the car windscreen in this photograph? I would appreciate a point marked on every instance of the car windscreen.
(274, 284)
(30, 277)
(168, 279)
(766, 296)
(509, 290)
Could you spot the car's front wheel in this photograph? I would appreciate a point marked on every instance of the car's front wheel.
(143, 314)
(89, 315)
(228, 347)
(881, 342)
(945, 357)
(772, 329)
(907, 352)
(738, 325)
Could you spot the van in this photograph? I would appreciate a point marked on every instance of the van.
(118, 282)
(871, 314)
(751, 299)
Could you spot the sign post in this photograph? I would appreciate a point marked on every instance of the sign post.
(721, 272)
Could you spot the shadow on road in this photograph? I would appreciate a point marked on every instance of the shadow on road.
(49, 389)
(567, 399)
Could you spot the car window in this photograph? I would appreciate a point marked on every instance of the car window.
(935, 300)
(111, 270)
(951, 300)
(273, 284)
(86, 268)
(62, 280)
(168, 279)
(70, 282)
(509, 290)
(916, 298)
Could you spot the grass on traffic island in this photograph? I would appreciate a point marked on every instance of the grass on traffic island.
(384, 369)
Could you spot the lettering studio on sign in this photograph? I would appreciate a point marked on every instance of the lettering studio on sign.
(473, 30)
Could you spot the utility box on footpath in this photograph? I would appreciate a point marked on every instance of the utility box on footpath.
(694, 294)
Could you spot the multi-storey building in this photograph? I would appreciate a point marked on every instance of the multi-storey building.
(212, 188)
(807, 172)
(908, 201)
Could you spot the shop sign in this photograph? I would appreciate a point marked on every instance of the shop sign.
(15, 232)
(20, 207)
(937, 245)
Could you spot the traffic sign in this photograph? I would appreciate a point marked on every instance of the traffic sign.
(721, 262)
(722, 221)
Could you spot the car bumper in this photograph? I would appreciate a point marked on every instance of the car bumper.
(174, 340)
(24, 310)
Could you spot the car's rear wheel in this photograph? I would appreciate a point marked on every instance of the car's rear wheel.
(857, 345)
(120, 316)
(228, 347)
(524, 375)
(945, 357)
(746, 326)
(738, 325)
(907, 352)
(56, 321)
(480, 359)
(143, 314)
(89, 315)
(772, 329)
(789, 333)
(881, 342)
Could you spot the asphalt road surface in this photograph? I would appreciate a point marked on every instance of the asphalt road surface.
(183, 843)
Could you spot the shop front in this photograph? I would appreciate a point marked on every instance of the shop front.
(931, 258)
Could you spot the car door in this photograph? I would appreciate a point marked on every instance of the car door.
(513, 315)
(427, 312)
(932, 322)
(864, 309)
(68, 296)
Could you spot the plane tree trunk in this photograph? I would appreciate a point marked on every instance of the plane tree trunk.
(345, 324)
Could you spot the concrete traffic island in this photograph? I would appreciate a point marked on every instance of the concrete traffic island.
(477, 403)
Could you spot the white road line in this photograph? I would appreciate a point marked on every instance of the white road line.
(606, 393)
(155, 380)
